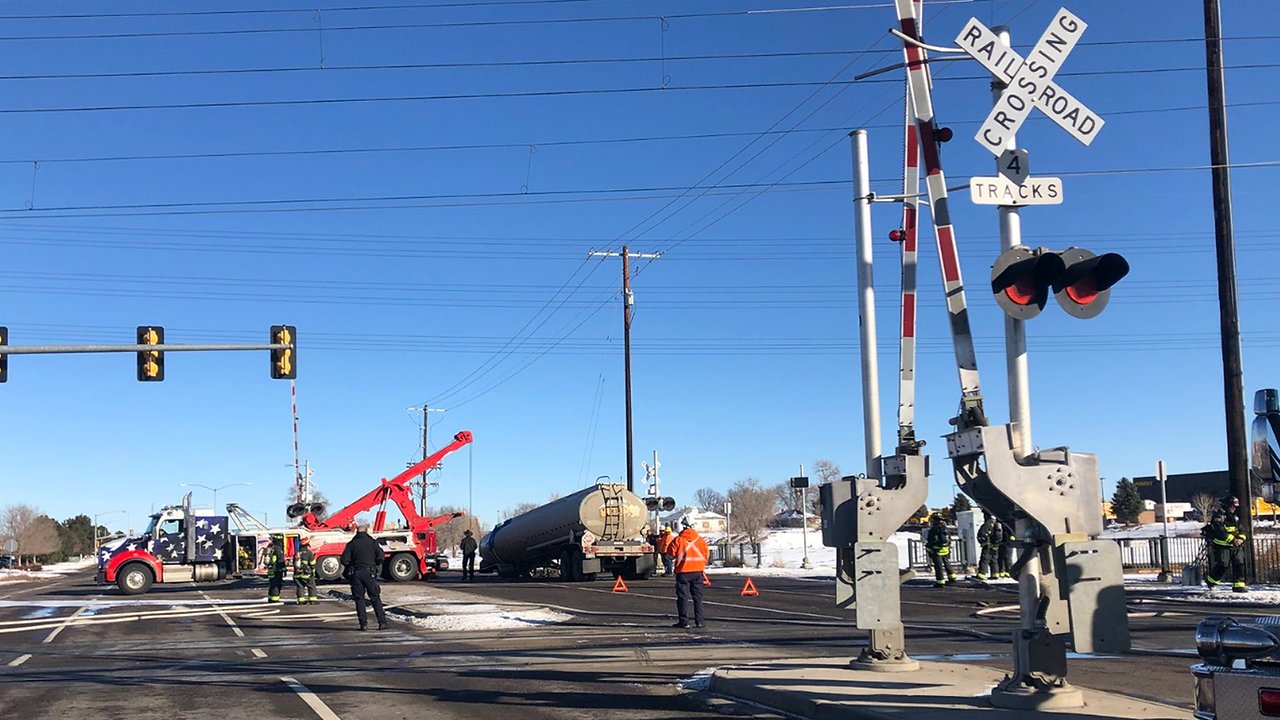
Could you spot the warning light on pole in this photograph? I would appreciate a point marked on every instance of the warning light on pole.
(150, 362)
(4, 358)
(284, 361)
(1084, 286)
(1021, 279)
(665, 504)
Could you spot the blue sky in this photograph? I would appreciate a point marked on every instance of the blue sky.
(459, 277)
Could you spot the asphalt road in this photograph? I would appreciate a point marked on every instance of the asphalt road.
(219, 649)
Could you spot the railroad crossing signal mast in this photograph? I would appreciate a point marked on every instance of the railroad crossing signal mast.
(1070, 582)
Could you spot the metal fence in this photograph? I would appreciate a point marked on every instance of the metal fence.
(1144, 554)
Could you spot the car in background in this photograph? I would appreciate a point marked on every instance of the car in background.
(6, 561)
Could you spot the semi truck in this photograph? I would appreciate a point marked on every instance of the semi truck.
(596, 529)
(179, 545)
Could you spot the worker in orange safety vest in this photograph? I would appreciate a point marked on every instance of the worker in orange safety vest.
(688, 552)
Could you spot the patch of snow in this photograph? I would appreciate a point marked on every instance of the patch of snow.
(496, 619)
(48, 571)
(700, 681)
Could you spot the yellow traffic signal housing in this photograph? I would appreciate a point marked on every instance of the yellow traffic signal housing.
(284, 361)
(150, 362)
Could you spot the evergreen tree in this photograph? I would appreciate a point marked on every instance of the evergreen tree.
(961, 504)
(1126, 503)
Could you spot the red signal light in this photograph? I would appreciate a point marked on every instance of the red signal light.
(1269, 702)
(897, 235)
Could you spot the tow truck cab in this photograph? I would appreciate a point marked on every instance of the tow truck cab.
(177, 546)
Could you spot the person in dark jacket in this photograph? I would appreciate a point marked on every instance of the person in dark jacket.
(304, 572)
(1225, 547)
(363, 559)
(989, 544)
(277, 564)
(469, 547)
(1004, 556)
(938, 545)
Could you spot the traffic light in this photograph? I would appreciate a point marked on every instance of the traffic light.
(150, 362)
(1084, 286)
(1022, 279)
(284, 362)
(665, 504)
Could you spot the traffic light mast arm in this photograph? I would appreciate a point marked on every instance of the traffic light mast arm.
(971, 412)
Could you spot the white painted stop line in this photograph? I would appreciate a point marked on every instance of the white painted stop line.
(1030, 81)
(316, 704)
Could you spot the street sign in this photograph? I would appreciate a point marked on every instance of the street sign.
(1014, 165)
(799, 482)
(1000, 191)
(1030, 81)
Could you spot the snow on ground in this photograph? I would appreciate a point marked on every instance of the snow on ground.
(1177, 528)
(478, 616)
(48, 571)
(783, 551)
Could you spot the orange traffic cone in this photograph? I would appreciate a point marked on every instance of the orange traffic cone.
(749, 588)
(619, 586)
(706, 580)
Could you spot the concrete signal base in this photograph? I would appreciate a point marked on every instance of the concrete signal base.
(832, 689)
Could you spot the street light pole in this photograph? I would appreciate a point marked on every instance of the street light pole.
(804, 521)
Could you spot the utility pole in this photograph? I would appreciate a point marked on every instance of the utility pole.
(1225, 243)
(422, 496)
(627, 301)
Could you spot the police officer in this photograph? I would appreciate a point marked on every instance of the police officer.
(304, 572)
(469, 547)
(1225, 546)
(989, 544)
(363, 558)
(938, 545)
(277, 565)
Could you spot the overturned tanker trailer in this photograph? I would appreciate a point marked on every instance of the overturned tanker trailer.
(597, 529)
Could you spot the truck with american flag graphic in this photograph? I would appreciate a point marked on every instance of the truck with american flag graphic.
(179, 545)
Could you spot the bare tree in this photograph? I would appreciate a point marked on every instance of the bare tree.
(1206, 503)
(709, 499)
(518, 509)
(754, 507)
(449, 534)
(41, 538)
(15, 524)
(789, 498)
(826, 471)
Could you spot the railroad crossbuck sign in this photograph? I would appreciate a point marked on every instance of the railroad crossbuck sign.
(1030, 81)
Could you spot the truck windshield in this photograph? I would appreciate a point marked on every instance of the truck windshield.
(151, 527)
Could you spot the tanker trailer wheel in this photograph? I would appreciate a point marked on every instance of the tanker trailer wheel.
(402, 567)
(135, 579)
(570, 568)
(329, 567)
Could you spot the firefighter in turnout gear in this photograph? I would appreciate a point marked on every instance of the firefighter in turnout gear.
(277, 564)
(304, 573)
(1004, 556)
(938, 545)
(989, 544)
(1225, 547)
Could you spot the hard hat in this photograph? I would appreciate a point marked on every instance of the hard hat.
(936, 516)
(684, 523)
(666, 528)
(305, 541)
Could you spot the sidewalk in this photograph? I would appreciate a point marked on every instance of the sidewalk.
(830, 690)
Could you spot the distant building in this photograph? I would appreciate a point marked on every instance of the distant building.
(1181, 487)
(704, 521)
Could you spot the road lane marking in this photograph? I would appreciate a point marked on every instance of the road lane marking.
(234, 628)
(315, 703)
(65, 624)
(19, 661)
(258, 653)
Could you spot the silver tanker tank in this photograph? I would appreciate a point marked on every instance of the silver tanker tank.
(597, 529)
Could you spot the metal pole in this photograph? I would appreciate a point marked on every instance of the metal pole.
(804, 522)
(1224, 237)
(1164, 522)
(422, 509)
(470, 471)
(626, 352)
(866, 303)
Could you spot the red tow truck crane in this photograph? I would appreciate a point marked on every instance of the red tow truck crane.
(411, 551)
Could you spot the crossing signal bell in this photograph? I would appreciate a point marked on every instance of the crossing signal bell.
(665, 504)
(284, 361)
(150, 362)
(1022, 279)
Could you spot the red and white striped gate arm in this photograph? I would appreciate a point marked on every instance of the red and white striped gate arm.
(910, 213)
(936, 183)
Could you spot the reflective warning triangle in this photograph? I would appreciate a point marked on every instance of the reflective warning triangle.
(749, 588)
(619, 586)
